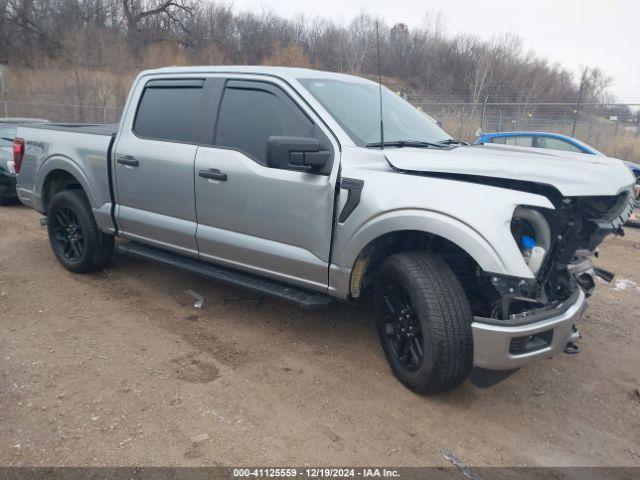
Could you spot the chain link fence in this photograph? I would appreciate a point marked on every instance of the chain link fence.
(612, 128)
(61, 112)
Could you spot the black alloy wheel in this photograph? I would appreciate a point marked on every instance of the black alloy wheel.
(402, 327)
(67, 233)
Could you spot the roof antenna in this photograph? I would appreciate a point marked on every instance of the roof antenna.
(380, 86)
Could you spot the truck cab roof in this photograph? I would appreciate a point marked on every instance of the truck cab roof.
(285, 73)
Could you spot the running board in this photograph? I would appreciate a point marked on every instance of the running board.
(302, 298)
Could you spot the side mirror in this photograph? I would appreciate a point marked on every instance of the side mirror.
(296, 153)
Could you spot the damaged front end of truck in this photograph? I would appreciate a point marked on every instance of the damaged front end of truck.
(518, 319)
(526, 311)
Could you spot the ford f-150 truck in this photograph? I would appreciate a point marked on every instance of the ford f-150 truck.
(291, 183)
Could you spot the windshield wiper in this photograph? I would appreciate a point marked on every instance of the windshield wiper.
(406, 143)
(451, 141)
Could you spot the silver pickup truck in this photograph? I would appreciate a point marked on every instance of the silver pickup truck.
(476, 257)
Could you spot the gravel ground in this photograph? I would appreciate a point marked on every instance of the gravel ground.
(119, 368)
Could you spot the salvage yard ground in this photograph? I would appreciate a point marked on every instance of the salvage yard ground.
(119, 368)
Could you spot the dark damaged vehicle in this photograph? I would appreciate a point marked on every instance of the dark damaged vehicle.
(478, 258)
(8, 127)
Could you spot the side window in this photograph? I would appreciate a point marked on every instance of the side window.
(520, 141)
(498, 140)
(171, 113)
(557, 144)
(248, 117)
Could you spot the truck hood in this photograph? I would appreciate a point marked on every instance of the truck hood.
(571, 175)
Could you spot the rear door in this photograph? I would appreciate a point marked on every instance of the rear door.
(269, 221)
(154, 162)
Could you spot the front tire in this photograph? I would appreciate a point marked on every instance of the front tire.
(74, 236)
(424, 322)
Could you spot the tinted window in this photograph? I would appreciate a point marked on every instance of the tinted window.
(169, 113)
(519, 141)
(498, 140)
(7, 132)
(557, 144)
(249, 117)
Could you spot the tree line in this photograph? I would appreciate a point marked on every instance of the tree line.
(120, 36)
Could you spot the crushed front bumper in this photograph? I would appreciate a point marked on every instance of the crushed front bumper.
(508, 345)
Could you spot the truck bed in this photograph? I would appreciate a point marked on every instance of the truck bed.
(80, 150)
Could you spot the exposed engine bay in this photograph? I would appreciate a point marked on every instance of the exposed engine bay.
(557, 245)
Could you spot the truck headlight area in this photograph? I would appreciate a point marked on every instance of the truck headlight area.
(533, 236)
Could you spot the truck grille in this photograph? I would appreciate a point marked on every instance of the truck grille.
(608, 213)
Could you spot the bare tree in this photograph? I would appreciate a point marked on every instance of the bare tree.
(137, 13)
(595, 84)
(360, 39)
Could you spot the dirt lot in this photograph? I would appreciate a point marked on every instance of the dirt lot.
(119, 368)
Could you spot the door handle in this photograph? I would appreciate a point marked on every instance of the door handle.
(213, 174)
(128, 161)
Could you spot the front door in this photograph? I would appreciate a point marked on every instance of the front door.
(269, 221)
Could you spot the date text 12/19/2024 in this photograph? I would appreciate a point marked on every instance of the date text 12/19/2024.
(315, 472)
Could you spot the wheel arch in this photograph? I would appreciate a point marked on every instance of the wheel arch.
(434, 232)
(59, 174)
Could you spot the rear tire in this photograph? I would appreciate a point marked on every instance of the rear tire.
(424, 322)
(74, 236)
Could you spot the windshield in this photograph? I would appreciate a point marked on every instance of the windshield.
(356, 107)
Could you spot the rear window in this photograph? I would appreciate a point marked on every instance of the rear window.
(169, 113)
(557, 144)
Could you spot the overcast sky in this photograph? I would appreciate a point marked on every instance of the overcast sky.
(604, 33)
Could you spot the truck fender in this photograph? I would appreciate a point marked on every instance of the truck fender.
(449, 228)
(65, 164)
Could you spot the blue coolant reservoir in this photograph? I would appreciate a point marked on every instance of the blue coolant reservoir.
(528, 242)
